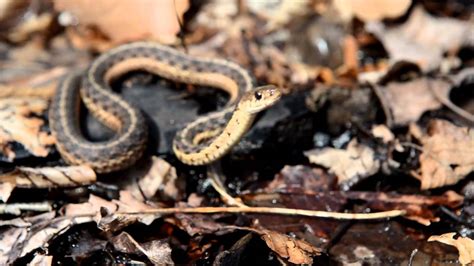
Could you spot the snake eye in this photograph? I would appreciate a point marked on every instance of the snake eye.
(258, 95)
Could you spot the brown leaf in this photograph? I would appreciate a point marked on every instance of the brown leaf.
(409, 100)
(370, 10)
(447, 155)
(104, 212)
(46, 177)
(294, 250)
(464, 245)
(382, 132)
(160, 179)
(16, 124)
(17, 208)
(41, 260)
(278, 13)
(349, 165)
(35, 232)
(300, 179)
(145, 19)
(419, 39)
(157, 251)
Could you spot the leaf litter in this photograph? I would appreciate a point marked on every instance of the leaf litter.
(388, 98)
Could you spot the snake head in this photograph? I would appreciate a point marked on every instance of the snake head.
(259, 99)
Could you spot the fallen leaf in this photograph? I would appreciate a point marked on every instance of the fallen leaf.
(409, 100)
(41, 260)
(160, 179)
(419, 40)
(350, 165)
(34, 232)
(294, 250)
(371, 10)
(299, 179)
(464, 245)
(383, 132)
(18, 125)
(447, 155)
(46, 177)
(145, 19)
(157, 251)
(278, 13)
(104, 212)
(18, 208)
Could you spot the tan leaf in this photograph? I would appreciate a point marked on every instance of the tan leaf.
(295, 250)
(370, 10)
(145, 19)
(41, 260)
(33, 232)
(349, 165)
(16, 124)
(46, 177)
(104, 212)
(17, 208)
(464, 245)
(419, 40)
(447, 155)
(383, 132)
(278, 12)
(161, 178)
(409, 100)
(157, 251)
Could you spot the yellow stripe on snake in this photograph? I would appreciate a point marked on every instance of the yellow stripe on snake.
(202, 141)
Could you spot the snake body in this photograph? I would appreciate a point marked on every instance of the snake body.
(203, 141)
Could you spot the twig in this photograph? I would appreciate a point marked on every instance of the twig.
(271, 210)
(412, 256)
(17, 208)
(446, 102)
(214, 174)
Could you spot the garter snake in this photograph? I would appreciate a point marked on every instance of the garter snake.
(202, 141)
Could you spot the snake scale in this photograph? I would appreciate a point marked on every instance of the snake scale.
(202, 141)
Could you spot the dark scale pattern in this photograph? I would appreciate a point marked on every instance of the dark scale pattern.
(104, 156)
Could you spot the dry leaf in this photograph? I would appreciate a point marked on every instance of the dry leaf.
(419, 40)
(103, 212)
(370, 10)
(409, 100)
(350, 165)
(278, 13)
(447, 155)
(41, 260)
(17, 208)
(464, 245)
(157, 251)
(16, 124)
(28, 234)
(383, 132)
(161, 178)
(145, 19)
(294, 250)
(46, 177)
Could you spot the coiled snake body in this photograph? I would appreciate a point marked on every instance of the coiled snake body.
(203, 141)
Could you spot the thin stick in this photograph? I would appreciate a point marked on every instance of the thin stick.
(271, 210)
(214, 174)
(450, 105)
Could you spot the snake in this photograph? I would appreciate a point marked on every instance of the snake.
(203, 141)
